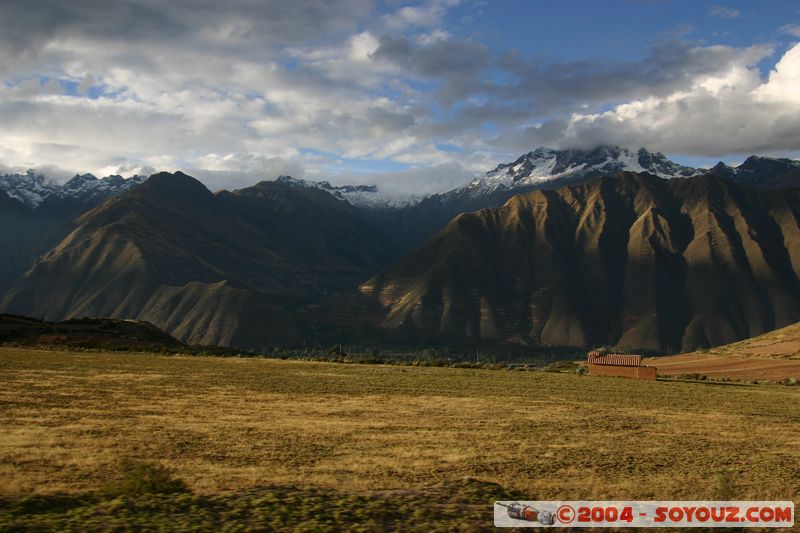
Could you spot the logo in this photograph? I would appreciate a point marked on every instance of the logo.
(518, 511)
(641, 514)
(565, 514)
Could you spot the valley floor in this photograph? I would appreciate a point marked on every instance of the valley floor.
(414, 445)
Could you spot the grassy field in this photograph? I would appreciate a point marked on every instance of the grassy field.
(377, 445)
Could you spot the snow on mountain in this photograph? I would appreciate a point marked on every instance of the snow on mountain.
(89, 187)
(369, 196)
(536, 168)
(761, 172)
(539, 167)
(29, 188)
(32, 189)
(756, 165)
(544, 165)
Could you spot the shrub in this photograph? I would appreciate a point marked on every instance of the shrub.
(139, 477)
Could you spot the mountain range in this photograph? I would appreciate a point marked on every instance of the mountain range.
(36, 213)
(232, 268)
(761, 172)
(558, 248)
(409, 221)
(628, 260)
(33, 190)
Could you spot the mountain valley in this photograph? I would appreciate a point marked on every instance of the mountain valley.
(559, 248)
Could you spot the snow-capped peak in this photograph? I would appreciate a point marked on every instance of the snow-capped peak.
(32, 189)
(539, 167)
(87, 186)
(357, 195)
(546, 164)
(757, 171)
(29, 188)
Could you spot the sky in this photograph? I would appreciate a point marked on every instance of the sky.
(417, 97)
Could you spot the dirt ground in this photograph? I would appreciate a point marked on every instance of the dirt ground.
(724, 366)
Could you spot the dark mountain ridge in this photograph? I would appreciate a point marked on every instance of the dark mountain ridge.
(630, 260)
(279, 262)
(36, 213)
(762, 172)
(548, 169)
(236, 268)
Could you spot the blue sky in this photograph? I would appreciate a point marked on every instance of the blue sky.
(415, 96)
(621, 29)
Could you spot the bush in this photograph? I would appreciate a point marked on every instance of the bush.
(139, 477)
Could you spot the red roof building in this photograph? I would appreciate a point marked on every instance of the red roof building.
(619, 365)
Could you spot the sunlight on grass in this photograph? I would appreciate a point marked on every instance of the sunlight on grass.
(231, 425)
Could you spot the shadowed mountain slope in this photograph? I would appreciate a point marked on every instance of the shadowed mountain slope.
(629, 260)
(35, 214)
(231, 269)
(18, 230)
(762, 172)
(547, 169)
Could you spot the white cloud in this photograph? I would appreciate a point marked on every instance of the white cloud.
(791, 29)
(242, 91)
(783, 86)
(415, 181)
(427, 15)
(721, 11)
(735, 112)
(86, 84)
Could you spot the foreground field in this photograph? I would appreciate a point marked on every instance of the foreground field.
(236, 430)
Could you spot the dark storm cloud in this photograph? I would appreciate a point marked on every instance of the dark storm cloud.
(26, 26)
(24, 22)
(735, 112)
(457, 64)
(437, 60)
(664, 68)
(508, 89)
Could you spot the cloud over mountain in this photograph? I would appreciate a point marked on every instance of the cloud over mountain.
(734, 111)
(250, 89)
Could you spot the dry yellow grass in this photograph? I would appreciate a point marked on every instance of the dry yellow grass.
(782, 343)
(232, 424)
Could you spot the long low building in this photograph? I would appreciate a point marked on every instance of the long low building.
(620, 365)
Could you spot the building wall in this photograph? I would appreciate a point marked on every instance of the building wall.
(638, 372)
